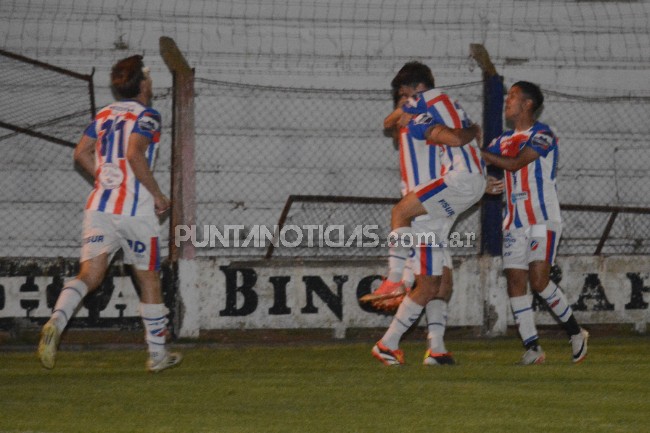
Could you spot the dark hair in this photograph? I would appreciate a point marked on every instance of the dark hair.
(126, 76)
(533, 92)
(412, 74)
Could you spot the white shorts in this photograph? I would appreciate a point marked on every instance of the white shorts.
(137, 236)
(452, 194)
(430, 256)
(522, 246)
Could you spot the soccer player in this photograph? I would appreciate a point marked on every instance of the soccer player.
(118, 149)
(418, 156)
(438, 120)
(532, 224)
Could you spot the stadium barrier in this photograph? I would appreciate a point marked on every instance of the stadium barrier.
(324, 294)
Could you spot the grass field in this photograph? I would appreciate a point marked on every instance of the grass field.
(332, 388)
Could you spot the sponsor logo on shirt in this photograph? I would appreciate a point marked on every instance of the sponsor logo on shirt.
(148, 123)
(423, 119)
(519, 196)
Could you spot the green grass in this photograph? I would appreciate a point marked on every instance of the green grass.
(332, 388)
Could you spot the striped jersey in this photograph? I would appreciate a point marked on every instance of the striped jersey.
(419, 161)
(117, 190)
(531, 191)
(434, 107)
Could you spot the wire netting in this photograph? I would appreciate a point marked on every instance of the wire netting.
(42, 194)
(258, 145)
(603, 155)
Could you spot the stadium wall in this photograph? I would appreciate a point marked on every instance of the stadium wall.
(217, 294)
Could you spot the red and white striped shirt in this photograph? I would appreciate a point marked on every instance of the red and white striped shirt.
(531, 191)
(117, 190)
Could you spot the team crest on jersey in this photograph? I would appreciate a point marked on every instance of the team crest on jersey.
(423, 119)
(148, 123)
(110, 176)
(533, 245)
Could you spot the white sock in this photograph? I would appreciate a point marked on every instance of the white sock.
(407, 314)
(69, 299)
(556, 301)
(408, 277)
(154, 318)
(523, 311)
(397, 254)
(436, 311)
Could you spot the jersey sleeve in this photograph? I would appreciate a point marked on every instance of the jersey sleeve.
(91, 130)
(542, 142)
(420, 123)
(494, 147)
(148, 124)
(415, 105)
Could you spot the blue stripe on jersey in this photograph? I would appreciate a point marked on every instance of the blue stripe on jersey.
(104, 199)
(414, 161)
(451, 157)
(540, 187)
(518, 223)
(433, 192)
(466, 156)
(554, 164)
(136, 193)
(432, 162)
(110, 139)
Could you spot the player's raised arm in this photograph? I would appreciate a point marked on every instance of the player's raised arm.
(511, 163)
(84, 154)
(454, 137)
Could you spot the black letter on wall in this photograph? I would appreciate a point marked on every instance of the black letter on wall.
(249, 277)
(592, 291)
(279, 296)
(318, 286)
(638, 289)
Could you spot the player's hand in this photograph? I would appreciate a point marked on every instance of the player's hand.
(404, 120)
(161, 204)
(494, 186)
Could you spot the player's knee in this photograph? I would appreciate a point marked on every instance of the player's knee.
(538, 283)
(92, 280)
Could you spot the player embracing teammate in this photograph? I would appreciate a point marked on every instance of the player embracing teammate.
(437, 129)
(532, 225)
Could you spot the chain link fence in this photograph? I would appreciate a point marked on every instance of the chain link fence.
(258, 145)
(42, 194)
(603, 162)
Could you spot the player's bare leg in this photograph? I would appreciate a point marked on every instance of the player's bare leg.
(154, 318)
(554, 297)
(90, 276)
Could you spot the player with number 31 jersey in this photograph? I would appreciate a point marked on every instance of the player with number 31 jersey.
(117, 190)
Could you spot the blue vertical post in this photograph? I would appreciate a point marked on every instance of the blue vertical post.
(491, 206)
